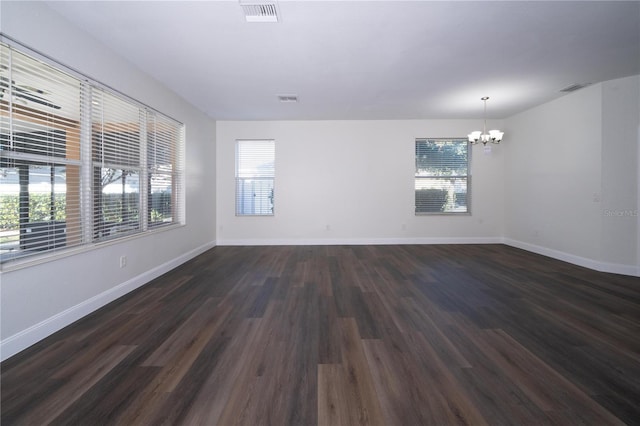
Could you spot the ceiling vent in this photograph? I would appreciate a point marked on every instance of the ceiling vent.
(260, 11)
(288, 98)
(574, 87)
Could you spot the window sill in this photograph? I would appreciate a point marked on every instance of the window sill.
(26, 262)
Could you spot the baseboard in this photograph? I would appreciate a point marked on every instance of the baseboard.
(25, 338)
(613, 268)
(355, 241)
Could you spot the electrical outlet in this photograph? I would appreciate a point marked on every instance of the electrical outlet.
(123, 261)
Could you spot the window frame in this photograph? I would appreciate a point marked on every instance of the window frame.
(18, 114)
(462, 141)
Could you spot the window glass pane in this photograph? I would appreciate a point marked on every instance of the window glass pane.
(9, 210)
(122, 148)
(117, 205)
(441, 176)
(162, 156)
(38, 208)
(48, 143)
(438, 195)
(116, 126)
(255, 171)
(254, 196)
(160, 198)
(255, 159)
(162, 135)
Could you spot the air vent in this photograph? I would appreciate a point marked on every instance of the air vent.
(574, 87)
(260, 11)
(288, 98)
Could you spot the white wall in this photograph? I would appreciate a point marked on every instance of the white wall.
(38, 300)
(357, 178)
(570, 163)
(554, 170)
(620, 125)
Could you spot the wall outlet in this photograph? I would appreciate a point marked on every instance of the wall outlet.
(123, 261)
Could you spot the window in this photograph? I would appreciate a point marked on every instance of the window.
(116, 164)
(442, 176)
(79, 163)
(163, 161)
(255, 172)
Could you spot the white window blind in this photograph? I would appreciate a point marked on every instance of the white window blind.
(79, 163)
(255, 173)
(164, 177)
(117, 128)
(442, 180)
(40, 156)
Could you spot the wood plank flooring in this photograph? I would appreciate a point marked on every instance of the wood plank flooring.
(345, 335)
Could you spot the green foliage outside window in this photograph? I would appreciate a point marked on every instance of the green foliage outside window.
(39, 209)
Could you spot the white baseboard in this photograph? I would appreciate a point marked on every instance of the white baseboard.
(25, 338)
(613, 268)
(356, 241)
(596, 265)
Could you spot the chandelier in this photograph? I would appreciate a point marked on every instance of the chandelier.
(494, 136)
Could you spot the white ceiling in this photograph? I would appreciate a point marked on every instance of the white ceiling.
(369, 59)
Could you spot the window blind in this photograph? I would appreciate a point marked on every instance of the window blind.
(79, 163)
(40, 156)
(442, 176)
(255, 173)
(164, 161)
(117, 129)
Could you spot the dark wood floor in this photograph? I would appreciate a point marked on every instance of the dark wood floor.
(349, 335)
